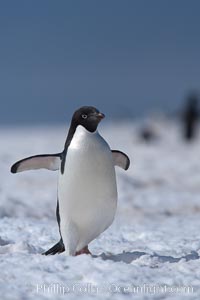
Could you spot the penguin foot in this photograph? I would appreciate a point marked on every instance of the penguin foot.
(85, 250)
(59, 248)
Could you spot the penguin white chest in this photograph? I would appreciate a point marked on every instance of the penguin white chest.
(87, 189)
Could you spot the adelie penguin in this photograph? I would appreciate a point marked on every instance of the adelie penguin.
(87, 190)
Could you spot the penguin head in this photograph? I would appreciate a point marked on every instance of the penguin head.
(87, 116)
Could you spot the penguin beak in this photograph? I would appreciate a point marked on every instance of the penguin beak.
(100, 116)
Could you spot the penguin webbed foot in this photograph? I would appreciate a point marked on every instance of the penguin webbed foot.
(56, 249)
(85, 250)
(59, 248)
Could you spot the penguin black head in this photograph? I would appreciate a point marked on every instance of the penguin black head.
(87, 116)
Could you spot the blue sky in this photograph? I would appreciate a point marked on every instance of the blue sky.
(125, 57)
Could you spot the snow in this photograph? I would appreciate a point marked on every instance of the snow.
(152, 249)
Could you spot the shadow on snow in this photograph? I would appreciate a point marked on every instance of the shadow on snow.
(128, 257)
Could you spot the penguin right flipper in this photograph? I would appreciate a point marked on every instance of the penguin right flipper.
(121, 159)
(57, 248)
(43, 161)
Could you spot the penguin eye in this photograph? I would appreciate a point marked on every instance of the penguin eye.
(84, 116)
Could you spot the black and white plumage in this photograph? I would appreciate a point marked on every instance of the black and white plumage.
(87, 190)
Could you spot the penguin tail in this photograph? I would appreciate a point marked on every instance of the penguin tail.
(56, 249)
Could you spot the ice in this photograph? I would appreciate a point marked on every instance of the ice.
(153, 242)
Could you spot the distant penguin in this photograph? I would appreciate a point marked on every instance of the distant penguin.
(148, 134)
(87, 190)
(190, 117)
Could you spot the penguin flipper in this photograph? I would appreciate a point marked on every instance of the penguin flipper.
(43, 161)
(57, 248)
(121, 159)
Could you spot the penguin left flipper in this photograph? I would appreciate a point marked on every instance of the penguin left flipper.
(121, 159)
(43, 161)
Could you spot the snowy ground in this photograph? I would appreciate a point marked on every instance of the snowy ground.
(150, 252)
